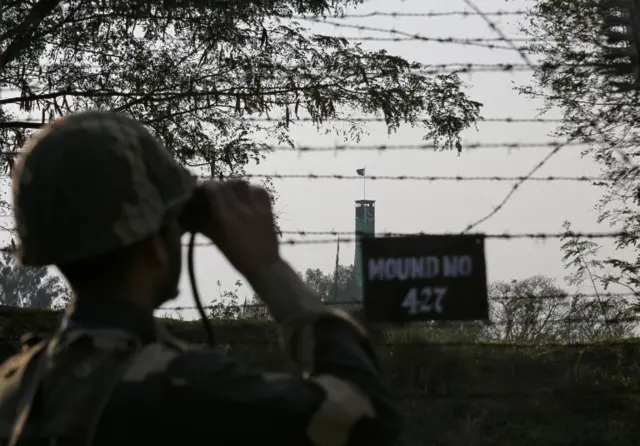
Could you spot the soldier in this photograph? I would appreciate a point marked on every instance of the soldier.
(98, 197)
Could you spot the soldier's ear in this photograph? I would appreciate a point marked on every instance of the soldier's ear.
(156, 252)
(164, 246)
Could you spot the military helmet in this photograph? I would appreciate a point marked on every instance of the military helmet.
(91, 183)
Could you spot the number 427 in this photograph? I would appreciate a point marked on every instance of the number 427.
(424, 300)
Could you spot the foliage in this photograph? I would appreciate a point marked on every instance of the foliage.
(29, 287)
(337, 286)
(230, 303)
(570, 45)
(535, 309)
(530, 310)
(527, 310)
(230, 306)
(197, 74)
(602, 314)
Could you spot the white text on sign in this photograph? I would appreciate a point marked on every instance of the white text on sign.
(424, 300)
(427, 267)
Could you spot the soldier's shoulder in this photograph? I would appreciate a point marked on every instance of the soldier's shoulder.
(177, 364)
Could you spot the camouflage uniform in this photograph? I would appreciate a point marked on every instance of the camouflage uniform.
(111, 375)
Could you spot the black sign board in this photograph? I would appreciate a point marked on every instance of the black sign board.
(424, 277)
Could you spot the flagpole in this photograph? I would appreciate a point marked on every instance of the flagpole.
(335, 273)
(364, 185)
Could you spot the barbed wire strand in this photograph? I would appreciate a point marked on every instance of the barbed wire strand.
(360, 303)
(358, 237)
(480, 42)
(501, 35)
(425, 178)
(262, 313)
(397, 14)
(505, 120)
(434, 178)
(542, 162)
(409, 147)
(530, 235)
(513, 190)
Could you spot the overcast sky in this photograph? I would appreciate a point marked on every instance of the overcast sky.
(420, 206)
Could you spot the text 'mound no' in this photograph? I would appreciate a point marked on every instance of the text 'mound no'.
(425, 277)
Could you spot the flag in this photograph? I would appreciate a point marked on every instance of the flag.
(360, 172)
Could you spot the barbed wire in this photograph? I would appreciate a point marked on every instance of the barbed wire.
(503, 236)
(411, 147)
(484, 42)
(472, 41)
(480, 42)
(435, 178)
(501, 35)
(354, 236)
(358, 304)
(377, 119)
(425, 178)
(397, 14)
(505, 120)
(493, 26)
(514, 189)
(34, 123)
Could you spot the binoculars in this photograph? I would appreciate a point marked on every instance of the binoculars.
(196, 213)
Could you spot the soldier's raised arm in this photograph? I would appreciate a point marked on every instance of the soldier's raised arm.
(338, 397)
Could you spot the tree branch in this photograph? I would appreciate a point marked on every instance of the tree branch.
(20, 125)
(24, 31)
(162, 96)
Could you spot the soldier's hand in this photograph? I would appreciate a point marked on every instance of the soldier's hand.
(242, 225)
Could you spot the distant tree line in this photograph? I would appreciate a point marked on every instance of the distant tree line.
(534, 309)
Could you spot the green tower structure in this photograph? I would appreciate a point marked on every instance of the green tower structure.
(365, 225)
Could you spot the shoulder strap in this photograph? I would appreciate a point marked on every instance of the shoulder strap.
(32, 378)
(16, 375)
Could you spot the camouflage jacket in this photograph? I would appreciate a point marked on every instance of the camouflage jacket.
(111, 377)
